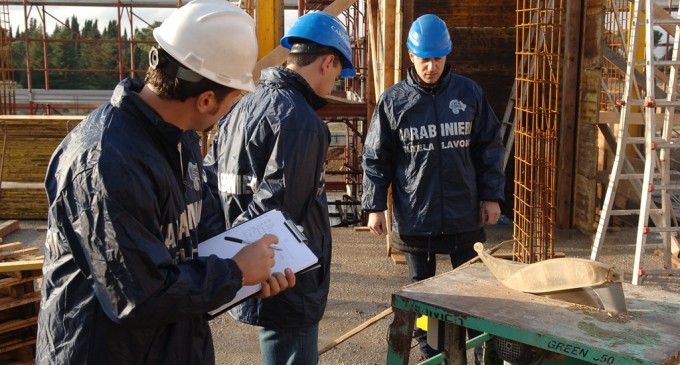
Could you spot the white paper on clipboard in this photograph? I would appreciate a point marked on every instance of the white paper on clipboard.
(294, 253)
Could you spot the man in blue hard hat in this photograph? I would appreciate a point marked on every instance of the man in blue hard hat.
(269, 152)
(435, 139)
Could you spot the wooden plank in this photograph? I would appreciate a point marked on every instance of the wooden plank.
(279, 54)
(10, 246)
(40, 118)
(356, 330)
(10, 281)
(397, 257)
(8, 227)
(22, 185)
(16, 324)
(21, 265)
(10, 345)
(18, 253)
(9, 302)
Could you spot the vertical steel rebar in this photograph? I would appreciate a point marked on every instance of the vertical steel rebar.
(538, 60)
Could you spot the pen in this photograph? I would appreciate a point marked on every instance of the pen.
(243, 242)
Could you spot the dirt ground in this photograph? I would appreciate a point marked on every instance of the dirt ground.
(363, 279)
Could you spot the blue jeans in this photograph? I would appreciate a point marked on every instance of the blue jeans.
(424, 265)
(299, 346)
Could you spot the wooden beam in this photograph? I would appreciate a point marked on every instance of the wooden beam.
(398, 38)
(407, 20)
(269, 25)
(569, 106)
(387, 12)
(8, 227)
(660, 13)
(279, 54)
(589, 87)
(21, 265)
(356, 330)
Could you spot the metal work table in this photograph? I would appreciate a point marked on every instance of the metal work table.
(649, 333)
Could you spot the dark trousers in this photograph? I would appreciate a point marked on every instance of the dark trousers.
(424, 265)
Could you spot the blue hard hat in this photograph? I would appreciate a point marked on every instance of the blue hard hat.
(429, 37)
(324, 29)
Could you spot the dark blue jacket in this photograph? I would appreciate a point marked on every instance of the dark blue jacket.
(269, 152)
(441, 151)
(122, 283)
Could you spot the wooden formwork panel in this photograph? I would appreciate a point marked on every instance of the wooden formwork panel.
(27, 143)
(486, 55)
(483, 35)
(470, 13)
(23, 204)
(26, 146)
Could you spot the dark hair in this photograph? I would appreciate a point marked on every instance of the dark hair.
(171, 87)
(304, 52)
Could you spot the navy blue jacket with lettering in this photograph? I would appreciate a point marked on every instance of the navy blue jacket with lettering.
(441, 151)
(122, 283)
(270, 153)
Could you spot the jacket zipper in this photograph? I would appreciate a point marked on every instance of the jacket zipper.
(439, 170)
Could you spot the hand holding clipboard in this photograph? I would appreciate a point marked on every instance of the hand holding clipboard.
(293, 251)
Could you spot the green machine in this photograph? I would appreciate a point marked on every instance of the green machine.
(524, 328)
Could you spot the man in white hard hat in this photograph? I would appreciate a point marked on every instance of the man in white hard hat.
(270, 153)
(128, 206)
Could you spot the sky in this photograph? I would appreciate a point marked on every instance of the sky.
(102, 14)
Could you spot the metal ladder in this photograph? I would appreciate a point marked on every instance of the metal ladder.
(657, 146)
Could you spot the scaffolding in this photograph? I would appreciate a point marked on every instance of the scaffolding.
(538, 60)
(348, 121)
(7, 84)
(123, 51)
(346, 115)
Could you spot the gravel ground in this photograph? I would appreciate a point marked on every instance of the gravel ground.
(364, 278)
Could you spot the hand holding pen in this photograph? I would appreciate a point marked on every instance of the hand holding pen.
(256, 261)
(244, 242)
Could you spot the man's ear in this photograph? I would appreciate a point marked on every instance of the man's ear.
(327, 63)
(205, 101)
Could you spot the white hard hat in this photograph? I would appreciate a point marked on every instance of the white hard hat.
(213, 38)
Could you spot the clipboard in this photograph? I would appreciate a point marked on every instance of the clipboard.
(294, 252)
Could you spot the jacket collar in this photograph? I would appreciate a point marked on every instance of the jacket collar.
(126, 97)
(280, 77)
(413, 79)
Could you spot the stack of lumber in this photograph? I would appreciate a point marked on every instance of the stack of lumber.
(20, 276)
(26, 145)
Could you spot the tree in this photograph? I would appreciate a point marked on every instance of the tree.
(72, 49)
(34, 49)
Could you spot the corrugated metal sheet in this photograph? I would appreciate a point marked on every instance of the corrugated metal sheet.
(39, 96)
